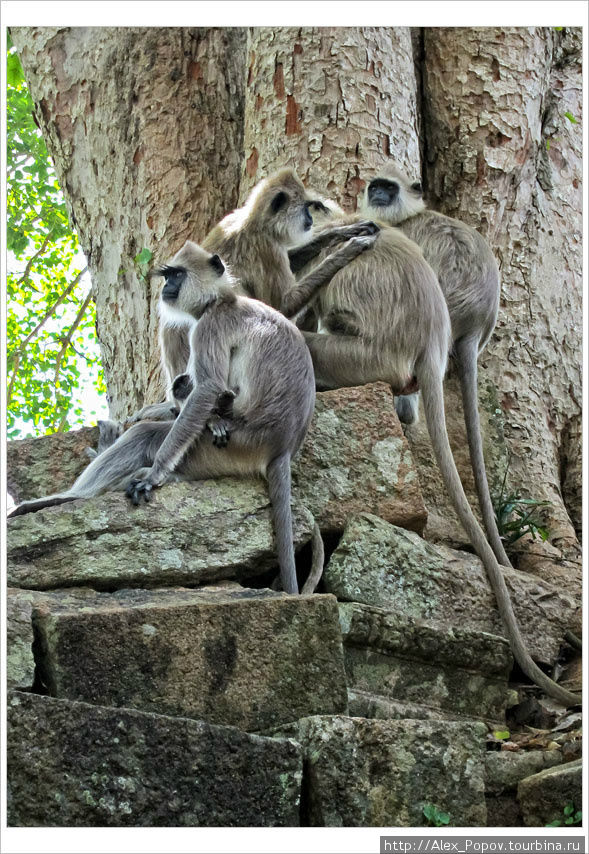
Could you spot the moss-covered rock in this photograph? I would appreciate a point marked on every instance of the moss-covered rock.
(78, 765)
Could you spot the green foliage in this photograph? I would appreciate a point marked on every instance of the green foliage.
(515, 515)
(142, 260)
(570, 816)
(502, 734)
(435, 817)
(50, 323)
(571, 118)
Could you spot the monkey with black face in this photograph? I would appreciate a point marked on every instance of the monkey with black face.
(241, 351)
(469, 278)
(384, 317)
(254, 241)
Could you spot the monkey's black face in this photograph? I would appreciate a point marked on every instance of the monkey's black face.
(174, 277)
(307, 218)
(382, 193)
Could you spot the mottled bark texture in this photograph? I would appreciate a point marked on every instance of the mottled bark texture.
(333, 102)
(145, 128)
(501, 154)
(156, 133)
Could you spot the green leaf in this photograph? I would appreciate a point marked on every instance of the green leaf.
(144, 257)
(571, 118)
(443, 818)
(429, 812)
(569, 809)
(554, 824)
(502, 734)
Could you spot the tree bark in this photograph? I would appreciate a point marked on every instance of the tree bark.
(145, 127)
(332, 102)
(501, 155)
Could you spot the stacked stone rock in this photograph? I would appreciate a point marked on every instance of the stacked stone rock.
(160, 683)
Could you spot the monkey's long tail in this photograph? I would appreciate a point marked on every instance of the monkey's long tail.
(430, 382)
(317, 562)
(40, 503)
(278, 476)
(467, 353)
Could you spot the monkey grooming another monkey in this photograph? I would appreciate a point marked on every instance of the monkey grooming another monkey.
(240, 351)
(384, 317)
(253, 241)
(469, 278)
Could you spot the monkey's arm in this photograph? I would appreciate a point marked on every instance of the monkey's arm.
(211, 367)
(307, 288)
(301, 256)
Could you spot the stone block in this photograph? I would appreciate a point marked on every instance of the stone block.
(36, 467)
(247, 658)
(78, 765)
(376, 773)
(380, 564)
(356, 458)
(543, 796)
(460, 673)
(190, 533)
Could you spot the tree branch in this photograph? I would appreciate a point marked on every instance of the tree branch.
(70, 335)
(50, 311)
(32, 260)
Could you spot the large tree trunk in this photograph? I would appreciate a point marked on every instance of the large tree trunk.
(145, 127)
(157, 133)
(332, 102)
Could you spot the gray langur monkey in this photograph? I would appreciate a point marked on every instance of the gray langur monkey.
(469, 277)
(242, 353)
(384, 317)
(254, 240)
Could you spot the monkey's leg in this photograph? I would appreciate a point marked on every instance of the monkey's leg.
(165, 411)
(407, 408)
(185, 430)
(466, 350)
(111, 470)
(306, 289)
(278, 475)
(341, 360)
(108, 433)
(301, 256)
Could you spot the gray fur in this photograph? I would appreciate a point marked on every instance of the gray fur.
(384, 317)
(469, 278)
(254, 241)
(242, 352)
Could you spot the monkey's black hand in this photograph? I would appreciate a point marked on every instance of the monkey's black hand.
(365, 227)
(138, 490)
(221, 430)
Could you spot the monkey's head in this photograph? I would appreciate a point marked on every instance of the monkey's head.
(193, 279)
(392, 197)
(324, 211)
(280, 207)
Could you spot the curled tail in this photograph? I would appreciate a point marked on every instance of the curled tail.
(467, 353)
(278, 475)
(430, 382)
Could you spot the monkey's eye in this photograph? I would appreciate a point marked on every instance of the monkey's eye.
(279, 201)
(416, 187)
(174, 277)
(318, 206)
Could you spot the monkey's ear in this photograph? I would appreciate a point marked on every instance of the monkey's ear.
(279, 201)
(416, 187)
(217, 265)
